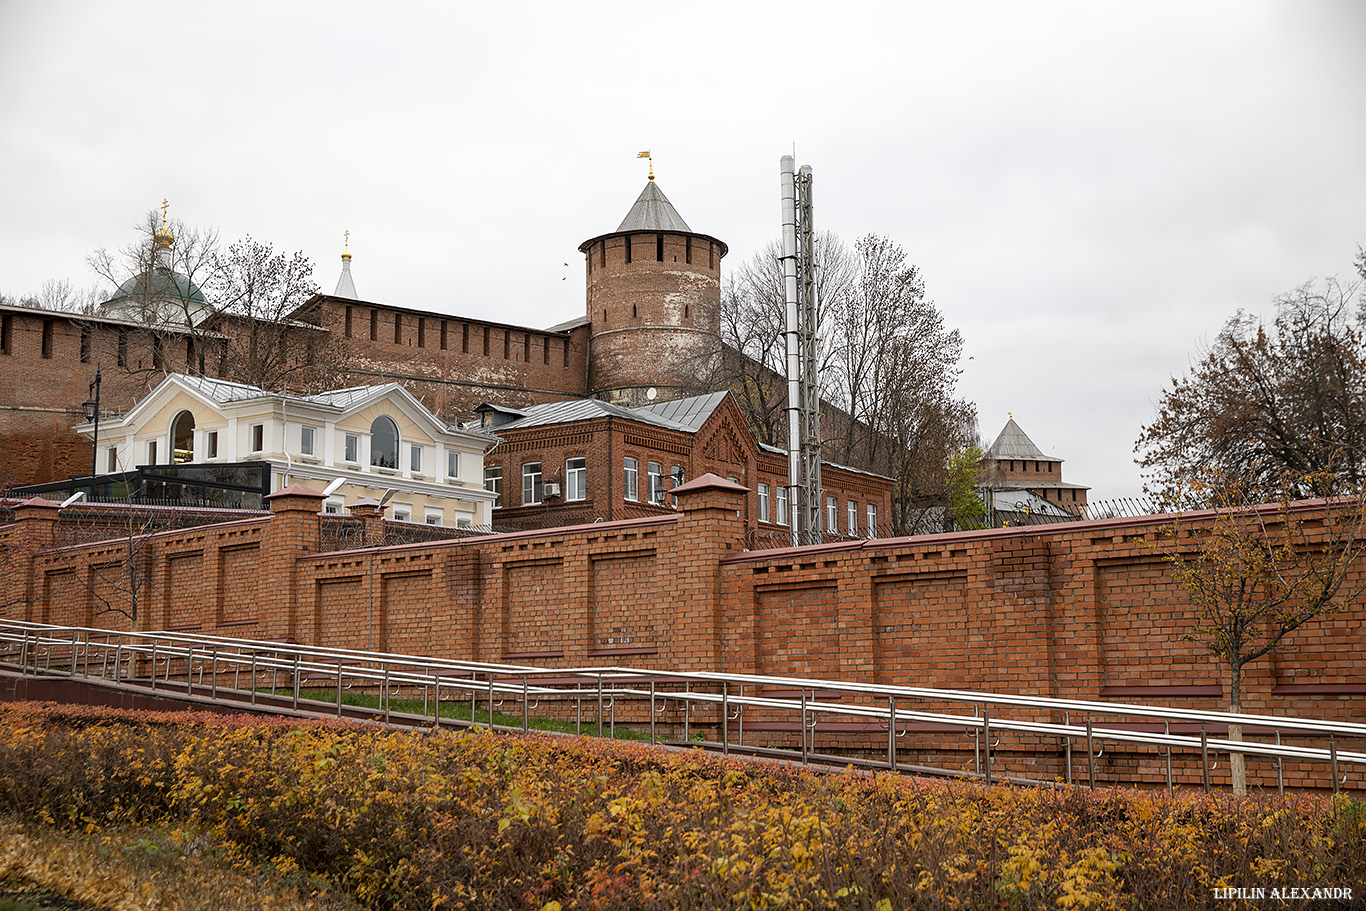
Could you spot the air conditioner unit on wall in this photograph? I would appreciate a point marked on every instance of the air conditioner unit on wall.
(552, 489)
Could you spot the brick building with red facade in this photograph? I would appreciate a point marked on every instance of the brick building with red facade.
(570, 463)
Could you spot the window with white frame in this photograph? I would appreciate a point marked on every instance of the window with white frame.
(258, 437)
(333, 505)
(432, 515)
(853, 518)
(653, 473)
(152, 452)
(575, 478)
(452, 463)
(781, 503)
(632, 478)
(493, 482)
(464, 523)
(352, 448)
(531, 484)
(763, 502)
(113, 459)
(832, 514)
(414, 458)
(306, 444)
(403, 512)
(211, 443)
(384, 442)
(872, 520)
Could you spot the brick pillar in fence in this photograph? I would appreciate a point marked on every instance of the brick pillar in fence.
(293, 532)
(34, 530)
(371, 512)
(710, 527)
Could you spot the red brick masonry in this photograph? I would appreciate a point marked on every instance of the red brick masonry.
(1082, 610)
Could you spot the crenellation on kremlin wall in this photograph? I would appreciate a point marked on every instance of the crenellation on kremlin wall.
(1085, 610)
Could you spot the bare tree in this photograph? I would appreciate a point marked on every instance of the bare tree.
(158, 282)
(1257, 572)
(752, 362)
(888, 366)
(273, 341)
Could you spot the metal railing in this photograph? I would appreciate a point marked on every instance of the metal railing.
(252, 673)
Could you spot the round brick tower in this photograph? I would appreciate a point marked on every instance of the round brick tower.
(654, 304)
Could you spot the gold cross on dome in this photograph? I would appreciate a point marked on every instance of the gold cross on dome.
(346, 240)
(164, 206)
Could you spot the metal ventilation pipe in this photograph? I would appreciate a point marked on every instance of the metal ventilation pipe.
(788, 171)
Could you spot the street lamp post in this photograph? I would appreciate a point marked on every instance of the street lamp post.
(91, 407)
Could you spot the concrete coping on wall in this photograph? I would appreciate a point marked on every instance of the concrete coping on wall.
(1092, 526)
(295, 498)
(296, 490)
(708, 481)
(561, 531)
(40, 506)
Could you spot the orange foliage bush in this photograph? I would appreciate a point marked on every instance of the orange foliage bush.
(450, 820)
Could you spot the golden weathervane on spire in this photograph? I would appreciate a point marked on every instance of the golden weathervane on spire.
(646, 154)
(346, 244)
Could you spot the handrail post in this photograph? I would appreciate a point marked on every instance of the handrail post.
(1167, 729)
(891, 733)
(213, 678)
(687, 708)
(986, 740)
(1280, 767)
(725, 718)
(339, 685)
(1333, 752)
(490, 702)
(86, 656)
(118, 658)
(23, 656)
(976, 741)
(384, 694)
(652, 711)
(154, 665)
(526, 721)
(578, 708)
(803, 726)
(189, 671)
(436, 696)
(1067, 745)
(740, 720)
(254, 654)
(296, 681)
(1090, 755)
(1204, 756)
(599, 706)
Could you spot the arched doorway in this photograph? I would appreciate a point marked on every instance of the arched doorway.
(182, 438)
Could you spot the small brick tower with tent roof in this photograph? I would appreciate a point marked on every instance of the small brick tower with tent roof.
(653, 303)
(1014, 463)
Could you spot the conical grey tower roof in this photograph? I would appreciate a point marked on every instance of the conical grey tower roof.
(653, 212)
(1013, 443)
(345, 286)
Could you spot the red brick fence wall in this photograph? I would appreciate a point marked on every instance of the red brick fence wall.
(1082, 610)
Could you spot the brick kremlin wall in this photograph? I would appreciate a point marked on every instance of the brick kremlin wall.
(1082, 611)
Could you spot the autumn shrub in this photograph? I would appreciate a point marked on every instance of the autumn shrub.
(474, 820)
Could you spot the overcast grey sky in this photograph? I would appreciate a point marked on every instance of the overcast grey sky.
(1091, 189)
